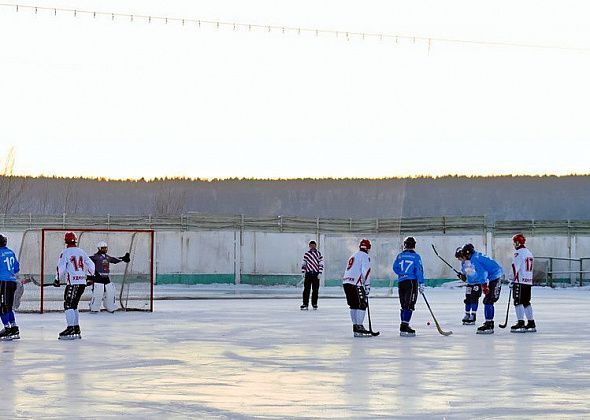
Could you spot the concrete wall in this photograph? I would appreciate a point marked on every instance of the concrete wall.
(227, 256)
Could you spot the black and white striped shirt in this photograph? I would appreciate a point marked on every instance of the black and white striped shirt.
(313, 262)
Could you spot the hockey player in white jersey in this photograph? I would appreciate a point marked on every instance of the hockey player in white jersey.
(357, 285)
(103, 290)
(521, 277)
(73, 266)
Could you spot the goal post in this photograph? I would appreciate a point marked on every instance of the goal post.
(134, 281)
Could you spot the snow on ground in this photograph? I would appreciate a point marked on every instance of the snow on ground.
(243, 358)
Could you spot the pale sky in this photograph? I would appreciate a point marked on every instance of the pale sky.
(92, 97)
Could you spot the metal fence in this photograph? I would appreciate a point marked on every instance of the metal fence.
(197, 221)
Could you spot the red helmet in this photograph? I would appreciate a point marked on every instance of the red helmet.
(365, 244)
(70, 238)
(519, 238)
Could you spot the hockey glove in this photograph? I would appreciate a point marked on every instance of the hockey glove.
(89, 280)
(125, 258)
(421, 288)
(56, 282)
(462, 276)
(485, 288)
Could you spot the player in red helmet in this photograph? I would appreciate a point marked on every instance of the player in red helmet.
(73, 267)
(70, 238)
(521, 277)
(357, 285)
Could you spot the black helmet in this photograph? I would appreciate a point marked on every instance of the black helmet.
(3, 240)
(409, 242)
(459, 252)
(467, 251)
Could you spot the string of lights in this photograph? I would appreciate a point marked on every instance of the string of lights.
(341, 34)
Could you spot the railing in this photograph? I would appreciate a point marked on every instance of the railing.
(196, 221)
(579, 272)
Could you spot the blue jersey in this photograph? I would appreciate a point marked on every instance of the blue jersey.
(8, 265)
(474, 272)
(493, 269)
(408, 266)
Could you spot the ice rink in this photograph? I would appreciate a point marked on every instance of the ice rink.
(245, 358)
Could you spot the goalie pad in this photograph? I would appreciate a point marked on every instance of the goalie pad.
(103, 294)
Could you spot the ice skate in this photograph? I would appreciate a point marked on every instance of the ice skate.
(14, 333)
(303, 307)
(486, 328)
(67, 334)
(468, 319)
(360, 331)
(77, 331)
(406, 331)
(5, 334)
(519, 327)
(315, 307)
(530, 326)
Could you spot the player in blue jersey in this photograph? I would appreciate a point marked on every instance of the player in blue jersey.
(483, 274)
(491, 289)
(408, 267)
(475, 277)
(9, 266)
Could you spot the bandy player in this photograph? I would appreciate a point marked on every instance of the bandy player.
(74, 265)
(522, 278)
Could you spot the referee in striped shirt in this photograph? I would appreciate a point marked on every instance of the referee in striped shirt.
(312, 266)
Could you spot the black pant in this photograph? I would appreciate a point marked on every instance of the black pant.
(312, 282)
(7, 289)
(493, 294)
(355, 296)
(72, 295)
(472, 293)
(521, 293)
(408, 294)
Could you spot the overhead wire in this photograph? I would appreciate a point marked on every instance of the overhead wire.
(235, 25)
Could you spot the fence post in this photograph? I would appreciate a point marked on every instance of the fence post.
(550, 272)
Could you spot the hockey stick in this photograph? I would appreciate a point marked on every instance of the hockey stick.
(440, 330)
(373, 333)
(507, 310)
(445, 261)
(31, 279)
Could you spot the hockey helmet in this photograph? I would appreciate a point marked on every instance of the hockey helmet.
(3, 240)
(102, 244)
(467, 251)
(519, 239)
(70, 238)
(459, 252)
(365, 244)
(409, 242)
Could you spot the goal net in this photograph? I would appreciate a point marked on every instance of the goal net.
(40, 251)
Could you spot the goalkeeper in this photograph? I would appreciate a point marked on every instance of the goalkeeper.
(102, 288)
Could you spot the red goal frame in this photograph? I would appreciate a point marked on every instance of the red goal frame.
(74, 229)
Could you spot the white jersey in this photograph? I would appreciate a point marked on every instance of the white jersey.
(358, 269)
(74, 265)
(522, 267)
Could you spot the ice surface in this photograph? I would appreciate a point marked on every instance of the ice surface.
(243, 358)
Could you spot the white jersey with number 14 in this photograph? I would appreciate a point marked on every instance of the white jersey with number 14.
(74, 265)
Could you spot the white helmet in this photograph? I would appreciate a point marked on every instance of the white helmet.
(101, 244)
